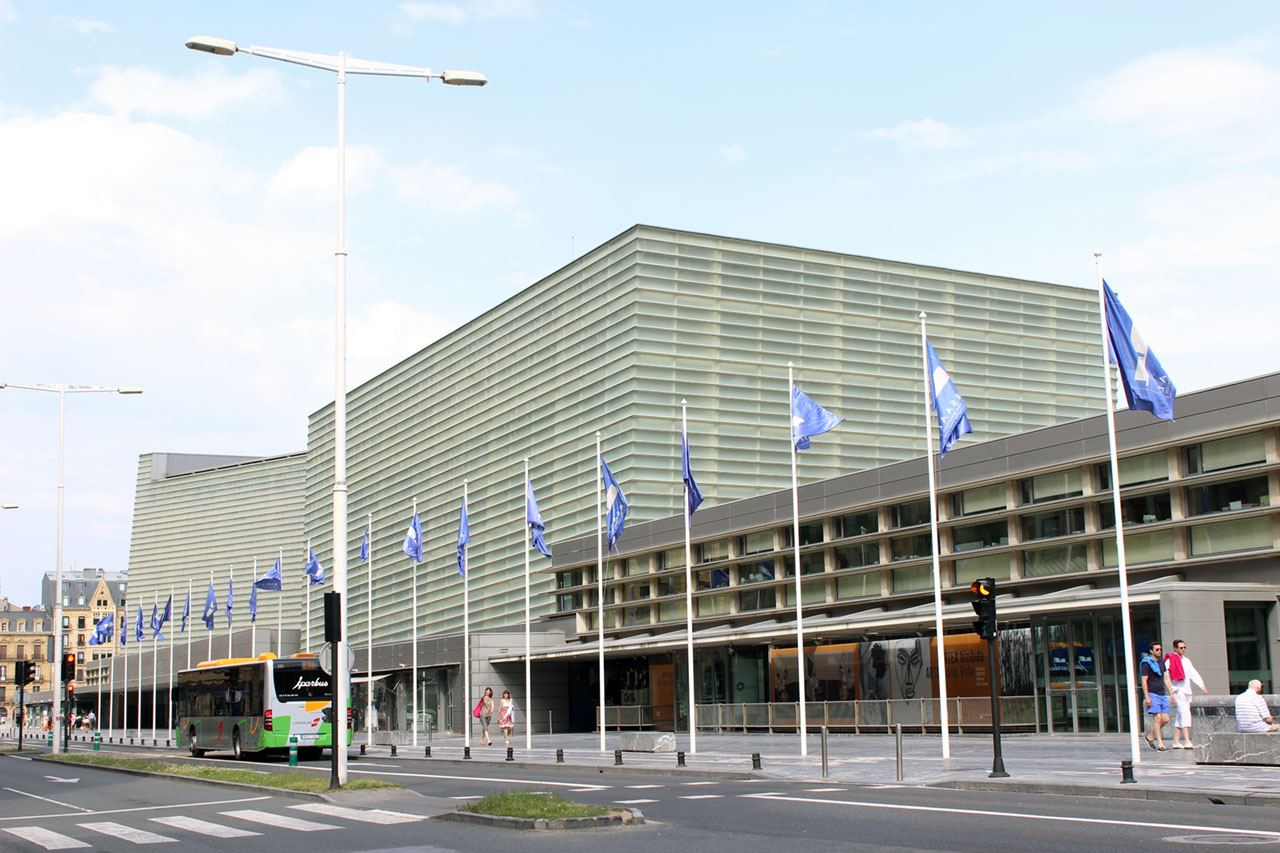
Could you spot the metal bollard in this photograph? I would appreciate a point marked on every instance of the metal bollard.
(97, 741)
(511, 754)
(897, 736)
(466, 752)
(1126, 773)
(680, 759)
(362, 749)
(617, 758)
(293, 751)
(755, 761)
(427, 754)
(823, 731)
(559, 756)
(393, 750)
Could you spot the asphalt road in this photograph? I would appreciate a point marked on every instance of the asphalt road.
(40, 810)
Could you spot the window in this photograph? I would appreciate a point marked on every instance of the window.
(759, 542)
(981, 499)
(1229, 496)
(909, 514)
(669, 610)
(635, 566)
(66, 621)
(756, 572)
(1224, 537)
(1144, 510)
(4, 652)
(1147, 468)
(1154, 547)
(713, 605)
(636, 615)
(4, 626)
(765, 598)
(1248, 645)
(1223, 453)
(568, 579)
(811, 592)
(1047, 525)
(37, 626)
(4, 673)
(80, 622)
(79, 657)
(710, 552)
(1051, 487)
(670, 585)
(861, 585)
(977, 536)
(568, 601)
(994, 566)
(1055, 561)
(80, 640)
(854, 556)
(635, 591)
(22, 653)
(856, 524)
(912, 579)
(810, 534)
(910, 547)
(672, 558)
(812, 563)
(710, 579)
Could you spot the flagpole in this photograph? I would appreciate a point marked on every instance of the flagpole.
(528, 679)
(209, 624)
(231, 585)
(169, 696)
(111, 704)
(795, 541)
(138, 643)
(933, 533)
(466, 622)
(688, 593)
(1125, 621)
(188, 608)
(155, 671)
(99, 693)
(124, 689)
(368, 694)
(413, 567)
(280, 608)
(253, 617)
(600, 579)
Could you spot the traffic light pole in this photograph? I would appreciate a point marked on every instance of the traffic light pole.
(997, 761)
(22, 710)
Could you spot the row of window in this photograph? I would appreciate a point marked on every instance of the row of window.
(37, 652)
(20, 626)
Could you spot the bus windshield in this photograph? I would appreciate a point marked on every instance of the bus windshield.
(300, 680)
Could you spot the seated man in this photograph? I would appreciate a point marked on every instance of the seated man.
(1252, 713)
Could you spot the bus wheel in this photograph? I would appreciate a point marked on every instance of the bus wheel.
(236, 747)
(191, 737)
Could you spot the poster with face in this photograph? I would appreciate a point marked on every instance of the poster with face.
(911, 679)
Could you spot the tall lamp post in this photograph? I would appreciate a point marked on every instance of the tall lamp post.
(342, 65)
(62, 390)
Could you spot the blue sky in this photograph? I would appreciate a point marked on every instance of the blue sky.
(168, 216)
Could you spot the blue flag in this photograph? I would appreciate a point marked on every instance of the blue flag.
(615, 505)
(413, 540)
(464, 536)
(158, 620)
(953, 420)
(537, 529)
(271, 580)
(137, 629)
(230, 589)
(314, 570)
(253, 603)
(694, 495)
(210, 608)
(186, 613)
(808, 419)
(1146, 385)
(364, 545)
(103, 630)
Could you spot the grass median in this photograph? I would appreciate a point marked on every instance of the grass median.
(287, 781)
(532, 805)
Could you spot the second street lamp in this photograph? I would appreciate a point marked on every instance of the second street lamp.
(342, 65)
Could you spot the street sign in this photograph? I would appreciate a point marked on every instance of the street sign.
(326, 658)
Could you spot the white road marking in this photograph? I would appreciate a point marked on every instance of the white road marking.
(128, 833)
(279, 821)
(702, 796)
(72, 780)
(204, 827)
(1022, 816)
(383, 816)
(641, 787)
(824, 790)
(87, 812)
(47, 800)
(371, 764)
(46, 838)
(20, 757)
(633, 802)
(699, 783)
(588, 790)
(474, 797)
(577, 786)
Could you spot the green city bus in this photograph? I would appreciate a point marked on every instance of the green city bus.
(252, 705)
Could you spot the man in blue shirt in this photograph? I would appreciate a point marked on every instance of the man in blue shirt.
(1155, 691)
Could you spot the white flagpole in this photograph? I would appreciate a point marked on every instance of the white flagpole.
(528, 679)
(111, 703)
(99, 693)
(169, 697)
(188, 607)
(688, 590)
(466, 626)
(600, 579)
(138, 643)
(368, 694)
(124, 690)
(795, 541)
(945, 719)
(155, 670)
(413, 568)
(253, 617)
(1125, 621)
(280, 608)
(307, 588)
(208, 625)
(231, 583)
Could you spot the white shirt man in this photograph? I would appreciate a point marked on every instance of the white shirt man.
(1252, 713)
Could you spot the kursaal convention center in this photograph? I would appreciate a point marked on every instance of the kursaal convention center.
(613, 342)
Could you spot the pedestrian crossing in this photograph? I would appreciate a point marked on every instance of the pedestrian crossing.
(230, 824)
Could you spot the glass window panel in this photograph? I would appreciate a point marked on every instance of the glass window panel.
(635, 591)
(709, 552)
(861, 585)
(810, 534)
(568, 579)
(1226, 453)
(756, 571)
(970, 569)
(672, 558)
(1153, 547)
(813, 592)
(636, 615)
(635, 566)
(976, 536)
(856, 524)
(1049, 487)
(1241, 535)
(911, 547)
(854, 556)
(710, 578)
(981, 499)
(909, 513)
(1055, 561)
(1227, 497)
(912, 578)
(756, 543)
(670, 585)
(712, 605)
(669, 610)
(1147, 509)
(1047, 525)
(758, 599)
(1147, 468)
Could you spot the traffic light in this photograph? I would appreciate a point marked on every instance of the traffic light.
(24, 672)
(69, 666)
(984, 604)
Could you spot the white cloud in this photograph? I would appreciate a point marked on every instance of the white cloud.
(456, 14)
(734, 153)
(926, 134)
(446, 13)
(199, 94)
(84, 26)
(7, 13)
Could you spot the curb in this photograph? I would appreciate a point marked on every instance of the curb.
(628, 769)
(245, 786)
(1128, 792)
(634, 818)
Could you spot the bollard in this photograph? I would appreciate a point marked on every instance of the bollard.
(293, 751)
(617, 758)
(823, 730)
(680, 759)
(1126, 773)
(511, 754)
(755, 761)
(466, 752)
(427, 753)
(897, 736)
(559, 756)
(393, 750)
(362, 749)
(97, 741)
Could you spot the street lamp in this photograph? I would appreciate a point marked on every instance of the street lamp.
(342, 65)
(62, 390)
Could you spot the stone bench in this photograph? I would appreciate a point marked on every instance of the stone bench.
(1238, 748)
(647, 742)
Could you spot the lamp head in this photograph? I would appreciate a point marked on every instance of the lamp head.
(209, 44)
(463, 78)
(129, 390)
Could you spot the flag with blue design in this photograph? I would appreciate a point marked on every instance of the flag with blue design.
(808, 419)
(231, 585)
(137, 629)
(253, 603)
(364, 545)
(1146, 385)
(537, 529)
(413, 540)
(158, 623)
(210, 608)
(314, 570)
(271, 580)
(692, 493)
(186, 613)
(953, 418)
(615, 505)
(464, 536)
(103, 630)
